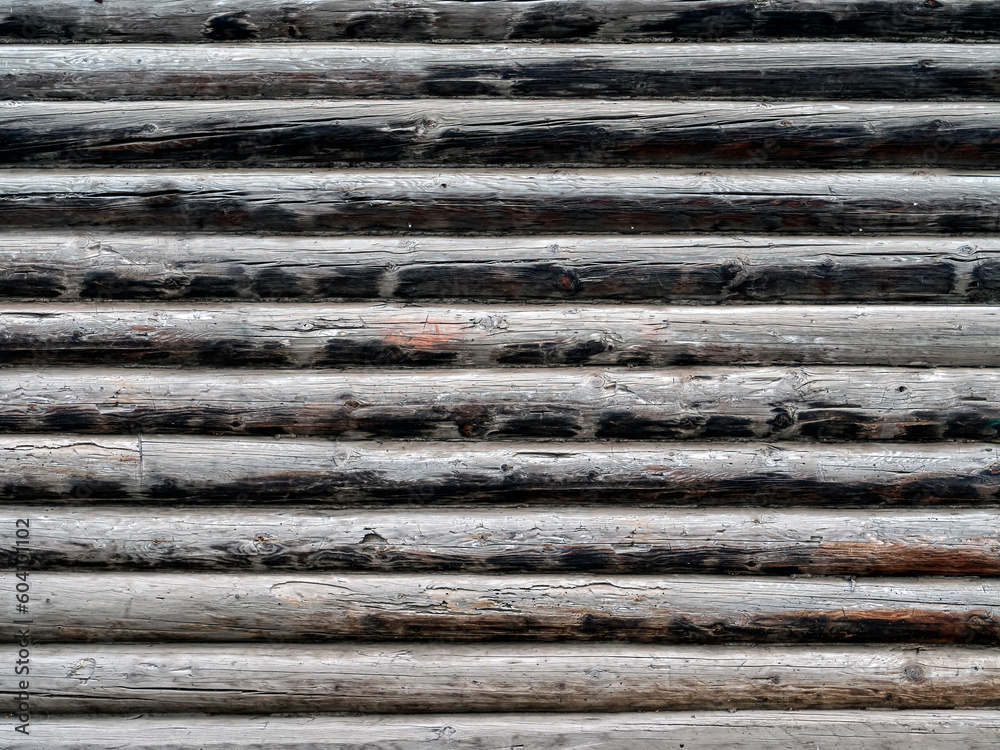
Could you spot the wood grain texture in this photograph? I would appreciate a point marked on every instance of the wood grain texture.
(721, 71)
(246, 471)
(111, 607)
(439, 133)
(387, 202)
(385, 336)
(824, 404)
(554, 677)
(423, 20)
(968, 729)
(714, 269)
(511, 540)
(585, 201)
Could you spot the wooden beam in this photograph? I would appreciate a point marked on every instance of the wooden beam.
(706, 269)
(412, 677)
(319, 607)
(358, 335)
(511, 540)
(425, 20)
(968, 729)
(861, 70)
(443, 133)
(80, 469)
(586, 201)
(821, 403)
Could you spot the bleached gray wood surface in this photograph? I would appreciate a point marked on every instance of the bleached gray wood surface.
(496, 335)
(703, 730)
(526, 201)
(512, 540)
(394, 678)
(795, 71)
(816, 403)
(157, 470)
(316, 607)
(104, 266)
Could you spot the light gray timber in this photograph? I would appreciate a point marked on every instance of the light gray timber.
(246, 471)
(527, 201)
(75, 607)
(816, 403)
(495, 335)
(413, 677)
(711, 269)
(820, 70)
(509, 540)
(968, 729)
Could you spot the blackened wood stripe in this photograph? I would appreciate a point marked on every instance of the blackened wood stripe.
(554, 20)
(102, 266)
(860, 70)
(79, 470)
(562, 539)
(113, 607)
(967, 729)
(359, 335)
(825, 404)
(824, 135)
(414, 677)
(441, 202)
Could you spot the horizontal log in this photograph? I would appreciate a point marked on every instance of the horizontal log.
(357, 335)
(825, 404)
(388, 202)
(424, 20)
(71, 607)
(496, 133)
(968, 729)
(728, 71)
(509, 540)
(709, 269)
(246, 471)
(158, 678)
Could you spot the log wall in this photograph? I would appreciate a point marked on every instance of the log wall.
(546, 374)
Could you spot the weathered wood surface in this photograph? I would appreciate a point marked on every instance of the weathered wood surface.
(103, 266)
(496, 133)
(826, 404)
(511, 540)
(722, 71)
(78, 469)
(556, 677)
(424, 20)
(358, 335)
(72, 607)
(968, 729)
(481, 201)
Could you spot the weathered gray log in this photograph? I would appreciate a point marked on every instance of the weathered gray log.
(70, 607)
(497, 133)
(727, 71)
(358, 335)
(481, 201)
(74, 469)
(424, 20)
(556, 677)
(827, 404)
(510, 540)
(968, 729)
(699, 269)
